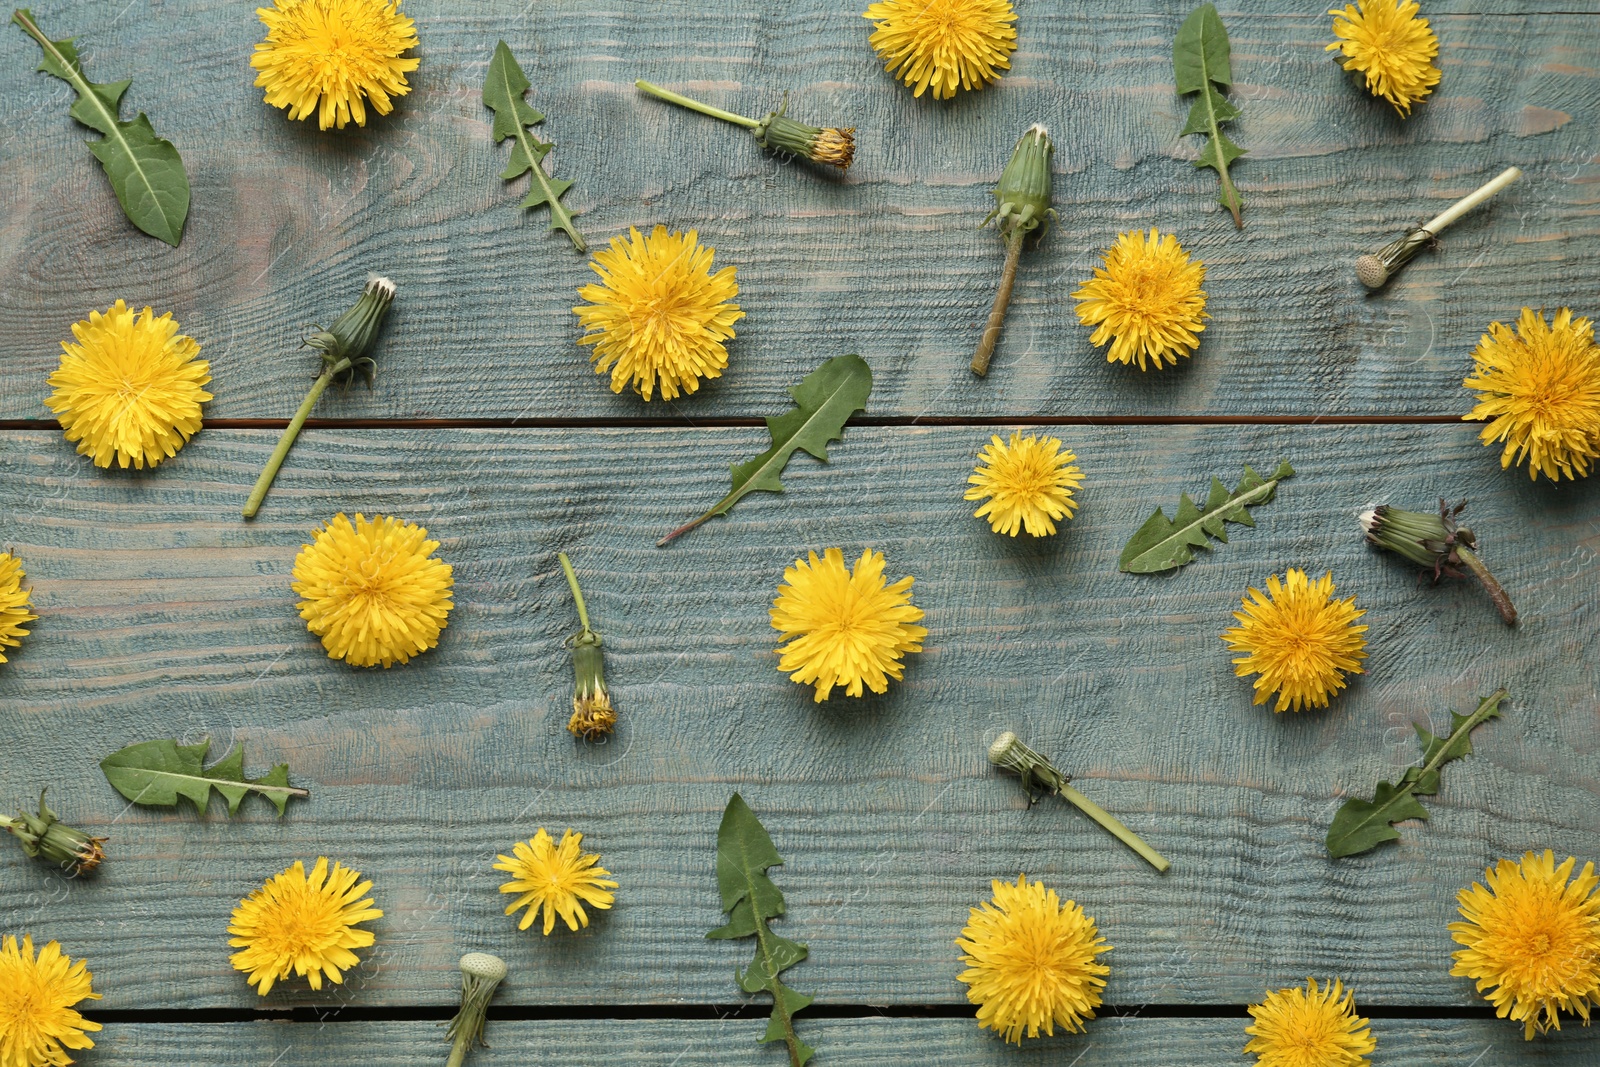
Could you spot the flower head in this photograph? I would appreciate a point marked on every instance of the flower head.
(560, 879)
(848, 629)
(1310, 1027)
(332, 56)
(1031, 961)
(44, 836)
(130, 389)
(1146, 301)
(14, 613)
(1386, 41)
(373, 591)
(659, 312)
(302, 925)
(1540, 387)
(1532, 940)
(37, 1021)
(1028, 483)
(1298, 640)
(948, 44)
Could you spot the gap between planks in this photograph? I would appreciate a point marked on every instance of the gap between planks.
(742, 421)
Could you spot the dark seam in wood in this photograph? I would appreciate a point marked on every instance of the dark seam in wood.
(742, 421)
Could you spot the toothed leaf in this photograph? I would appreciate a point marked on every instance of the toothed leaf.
(1200, 64)
(1163, 544)
(502, 93)
(157, 773)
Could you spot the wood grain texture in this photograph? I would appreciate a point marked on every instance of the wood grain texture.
(287, 221)
(164, 615)
(1109, 1042)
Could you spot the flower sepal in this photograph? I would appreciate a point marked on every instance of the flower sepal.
(44, 836)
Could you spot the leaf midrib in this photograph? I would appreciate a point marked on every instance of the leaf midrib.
(1181, 532)
(558, 212)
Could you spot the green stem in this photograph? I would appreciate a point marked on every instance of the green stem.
(459, 1050)
(1501, 600)
(1002, 301)
(694, 105)
(6, 822)
(577, 594)
(290, 432)
(1115, 825)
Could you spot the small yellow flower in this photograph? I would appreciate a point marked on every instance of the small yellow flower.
(1532, 940)
(1386, 41)
(37, 1021)
(1309, 1027)
(946, 44)
(849, 629)
(302, 925)
(373, 591)
(1541, 388)
(332, 56)
(1028, 482)
(1299, 640)
(130, 389)
(560, 879)
(1146, 301)
(659, 312)
(14, 613)
(1031, 961)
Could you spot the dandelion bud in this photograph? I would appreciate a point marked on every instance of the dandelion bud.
(353, 332)
(1022, 199)
(1435, 543)
(592, 714)
(481, 974)
(829, 144)
(43, 836)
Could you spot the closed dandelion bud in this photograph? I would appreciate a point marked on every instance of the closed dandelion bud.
(592, 714)
(832, 145)
(43, 836)
(1435, 543)
(481, 974)
(1022, 199)
(353, 332)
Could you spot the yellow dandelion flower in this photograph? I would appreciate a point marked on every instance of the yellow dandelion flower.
(1028, 483)
(1146, 301)
(130, 389)
(1532, 940)
(373, 591)
(1299, 640)
(37, 1020)
(14, 613)
(1386, 41)
(332, 56)
(560, 879)
(1309, 1027)
(849, 629)
(946, 44)
(304, 925)
(659, 312)
(1031, 961)
(1541, 389)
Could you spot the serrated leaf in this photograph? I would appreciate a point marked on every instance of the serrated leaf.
(824, 400)
(744, 854)
(1360, 825)
(1201, 64)
(157, 773)
(146, 171)
(502, 93)
(1163, 544)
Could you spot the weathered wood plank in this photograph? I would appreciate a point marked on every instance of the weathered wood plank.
(164, 615)
(888, 262)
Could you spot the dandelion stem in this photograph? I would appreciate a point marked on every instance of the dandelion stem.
(459, 1050)
(694, 105)
(290, 432)
(1501, 600)
(1116, 826)
(577, 594)
(1002, 301)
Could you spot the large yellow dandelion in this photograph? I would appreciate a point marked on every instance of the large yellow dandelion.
(1540, 390)
(37, 1020)
(1387, 42)
(1310, 1027)
(945, 44)
(372, 590)
(1146, 300)
(659, 314)
(130, 389)
(14, 613)
(333, 56)
(555, 879)
(848, 629)
(1031, 961)
(1028, 483)
(1532, 940)
(1298, 640)
(303, 925)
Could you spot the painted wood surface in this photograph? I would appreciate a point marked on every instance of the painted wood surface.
(287, 222)
(164, 615)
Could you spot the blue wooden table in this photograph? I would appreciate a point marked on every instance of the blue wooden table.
(164, 615)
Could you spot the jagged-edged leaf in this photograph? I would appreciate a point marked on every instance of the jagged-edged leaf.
(1359, 825)
(157, 773)
(749, 897)
(146, 171)
(824, 400)
(1163, 544)
(502, 93)
(1201, 64)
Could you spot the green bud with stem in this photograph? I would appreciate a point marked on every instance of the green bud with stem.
(592, 714)
(1436, 543)
(44, 836)
(343, 347)
(481, 974)
(820, 144)
(1022, 205)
